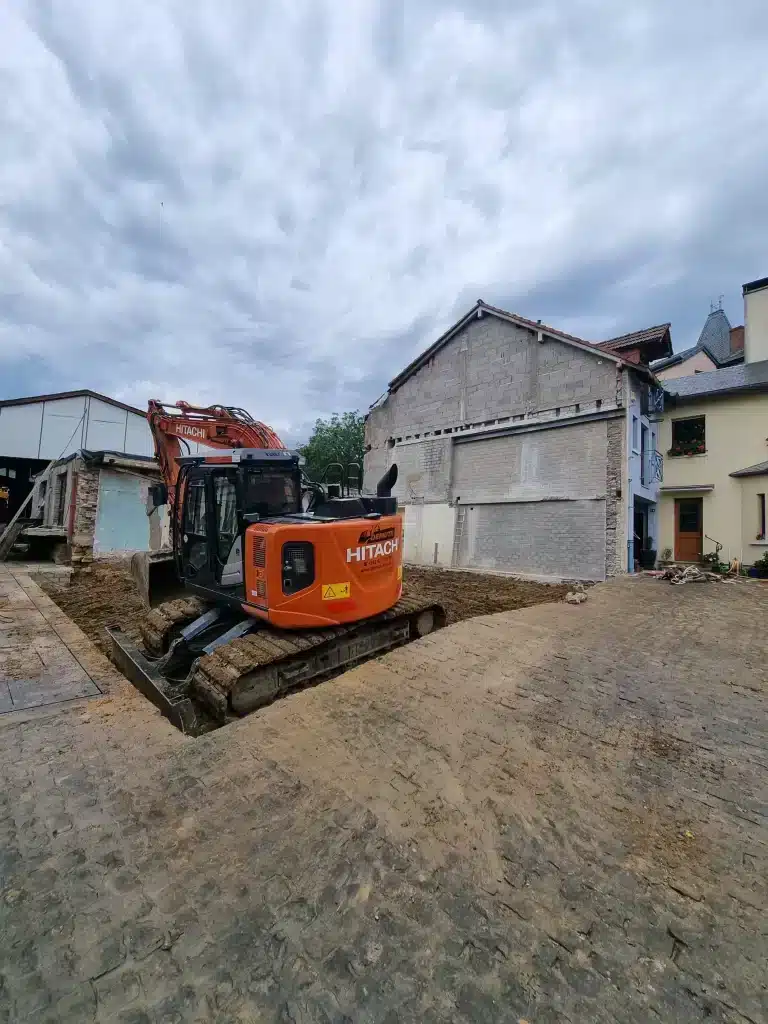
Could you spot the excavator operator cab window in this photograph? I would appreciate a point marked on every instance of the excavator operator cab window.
(196, 526)
(270, 491)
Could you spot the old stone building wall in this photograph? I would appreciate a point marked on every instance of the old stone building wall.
(86, 507)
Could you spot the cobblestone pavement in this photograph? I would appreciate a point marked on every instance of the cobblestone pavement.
(556, 814)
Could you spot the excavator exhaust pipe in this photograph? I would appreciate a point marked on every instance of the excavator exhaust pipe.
(387, 482)
(154, 573)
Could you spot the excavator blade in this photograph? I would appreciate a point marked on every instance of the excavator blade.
(154, 573)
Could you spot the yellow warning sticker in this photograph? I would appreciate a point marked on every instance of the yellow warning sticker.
(335, 591)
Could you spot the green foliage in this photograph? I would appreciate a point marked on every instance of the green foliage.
(338, 439)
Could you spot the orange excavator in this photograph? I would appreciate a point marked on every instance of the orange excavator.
(285, 580)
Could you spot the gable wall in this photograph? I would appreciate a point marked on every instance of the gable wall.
(491, 369)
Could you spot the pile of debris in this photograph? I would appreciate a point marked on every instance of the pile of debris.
(690, 574)
(576, 596)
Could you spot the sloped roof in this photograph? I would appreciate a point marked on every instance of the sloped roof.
(714, 341)
(756, 470)
(82, 393)
(649, 342)
(727, 379)
(481, 308)
(715, 337)
(660, 333)
(674, 359)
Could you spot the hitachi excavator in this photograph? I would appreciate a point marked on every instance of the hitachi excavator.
(285, 582)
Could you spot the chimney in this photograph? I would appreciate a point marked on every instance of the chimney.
(755, 320)
(737, 340)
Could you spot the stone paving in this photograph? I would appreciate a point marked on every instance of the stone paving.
(37, 668)
(558, 814)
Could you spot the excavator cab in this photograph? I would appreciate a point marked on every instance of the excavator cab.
(219, 500)
(216, 494)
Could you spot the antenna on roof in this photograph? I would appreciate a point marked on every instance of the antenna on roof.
(720, 302)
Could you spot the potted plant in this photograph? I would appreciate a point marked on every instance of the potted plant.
(760, 568)
(687, 448)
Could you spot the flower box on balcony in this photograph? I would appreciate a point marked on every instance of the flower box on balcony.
(688, 448)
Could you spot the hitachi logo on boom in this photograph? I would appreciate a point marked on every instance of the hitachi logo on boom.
(183, 428)
(366, 551)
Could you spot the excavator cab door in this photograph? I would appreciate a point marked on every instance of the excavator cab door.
(211, 544)
(195, 540)
(228, 541)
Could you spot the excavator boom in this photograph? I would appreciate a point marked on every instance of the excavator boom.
(175, 426)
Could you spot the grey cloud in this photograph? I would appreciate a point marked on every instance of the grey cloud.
(278, 205)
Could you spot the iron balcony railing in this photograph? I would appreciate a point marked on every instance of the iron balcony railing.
(651, 468)
(651, 400)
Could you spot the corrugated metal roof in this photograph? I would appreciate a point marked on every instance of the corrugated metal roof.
(82, 393)
(744, 377)
(756, 470)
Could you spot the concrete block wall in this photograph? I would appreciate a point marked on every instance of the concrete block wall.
(490, 369)
(548, 538)
(540, 500)
(424, 470)
(558, 462)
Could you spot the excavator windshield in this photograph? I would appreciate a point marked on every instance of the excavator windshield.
(271, 491)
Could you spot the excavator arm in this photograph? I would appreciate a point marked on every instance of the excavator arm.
(217, 426)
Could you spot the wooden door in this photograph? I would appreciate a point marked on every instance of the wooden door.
(688, 529)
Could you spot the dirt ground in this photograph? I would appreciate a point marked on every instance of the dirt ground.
(467, 594)
(104, 594)
(101, 595)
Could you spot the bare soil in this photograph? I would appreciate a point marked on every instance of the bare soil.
(104, 594)
(465, 595)
(101, 595)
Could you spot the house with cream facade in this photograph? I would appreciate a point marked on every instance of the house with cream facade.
(714, 437)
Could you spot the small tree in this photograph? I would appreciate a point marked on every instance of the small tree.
(338, 439)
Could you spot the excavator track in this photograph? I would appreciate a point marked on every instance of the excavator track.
(164, 623)
(244, 674)
(253, 670)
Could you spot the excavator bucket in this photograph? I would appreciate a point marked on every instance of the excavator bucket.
(154, 573)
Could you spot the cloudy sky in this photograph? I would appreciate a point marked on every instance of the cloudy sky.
(276, 204)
